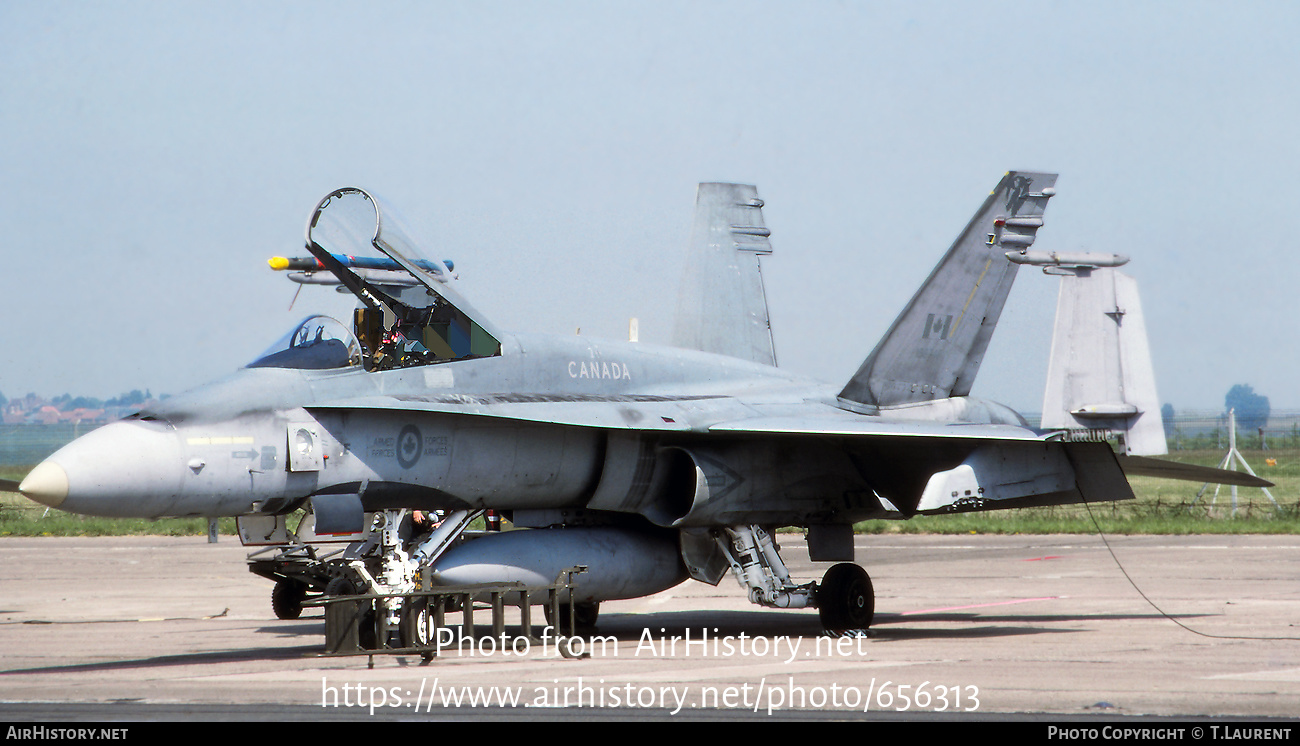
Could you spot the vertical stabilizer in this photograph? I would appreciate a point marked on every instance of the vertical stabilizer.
(935, 347)
(721, 306)
(1100, 381)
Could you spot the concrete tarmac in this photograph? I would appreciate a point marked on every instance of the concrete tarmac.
(1001, 626)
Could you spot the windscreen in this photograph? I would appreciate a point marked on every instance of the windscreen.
(316, 343)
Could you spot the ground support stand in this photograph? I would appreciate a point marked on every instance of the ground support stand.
(354, 627)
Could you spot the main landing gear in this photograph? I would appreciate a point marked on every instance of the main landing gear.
(845, 599)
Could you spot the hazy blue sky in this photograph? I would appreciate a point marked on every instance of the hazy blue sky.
(155, 154)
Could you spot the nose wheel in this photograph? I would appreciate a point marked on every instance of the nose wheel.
(367, 636)
(415, 629)
(845, 598)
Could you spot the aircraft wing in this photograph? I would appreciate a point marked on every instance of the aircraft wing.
(712, 414)
(831, 425)
(615, 412)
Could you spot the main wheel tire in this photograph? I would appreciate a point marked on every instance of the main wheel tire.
(415, 626)
(340, 587)
(287, 597)
(367, 637)
(584, 615)
(845, 599)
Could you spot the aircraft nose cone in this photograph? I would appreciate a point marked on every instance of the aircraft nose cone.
(124, 469)
(47, 484)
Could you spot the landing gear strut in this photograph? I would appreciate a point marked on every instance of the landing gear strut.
(757, 565)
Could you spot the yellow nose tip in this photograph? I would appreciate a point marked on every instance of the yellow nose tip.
(47, 484)
(278, 263)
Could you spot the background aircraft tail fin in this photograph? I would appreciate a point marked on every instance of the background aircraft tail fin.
(1100, 382)
(721, 306)
(935, 347)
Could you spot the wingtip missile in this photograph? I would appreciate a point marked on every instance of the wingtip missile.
(299, 264)
(439, 270)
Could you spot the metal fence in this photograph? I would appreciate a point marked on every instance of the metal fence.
(28, 445)
(1199, 430)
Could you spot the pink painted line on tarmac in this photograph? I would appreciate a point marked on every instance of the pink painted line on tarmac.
(980, 606)
(1040, 559)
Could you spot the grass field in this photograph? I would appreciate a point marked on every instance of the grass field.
(22, 517)
(1162, 507)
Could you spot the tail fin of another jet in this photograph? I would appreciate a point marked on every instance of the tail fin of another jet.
(1100, 381)
(935, 347)
(721, 306)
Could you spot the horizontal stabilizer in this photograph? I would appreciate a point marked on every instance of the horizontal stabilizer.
(935, 347)
(1141, 466)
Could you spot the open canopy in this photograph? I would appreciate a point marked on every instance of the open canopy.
(424, 324)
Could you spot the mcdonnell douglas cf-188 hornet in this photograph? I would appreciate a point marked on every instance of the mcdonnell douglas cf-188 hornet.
(647, 464)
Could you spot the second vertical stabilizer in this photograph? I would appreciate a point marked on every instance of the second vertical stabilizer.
(1100, 381)
(721, 306)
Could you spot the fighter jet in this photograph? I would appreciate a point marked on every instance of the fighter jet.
(647, 464)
